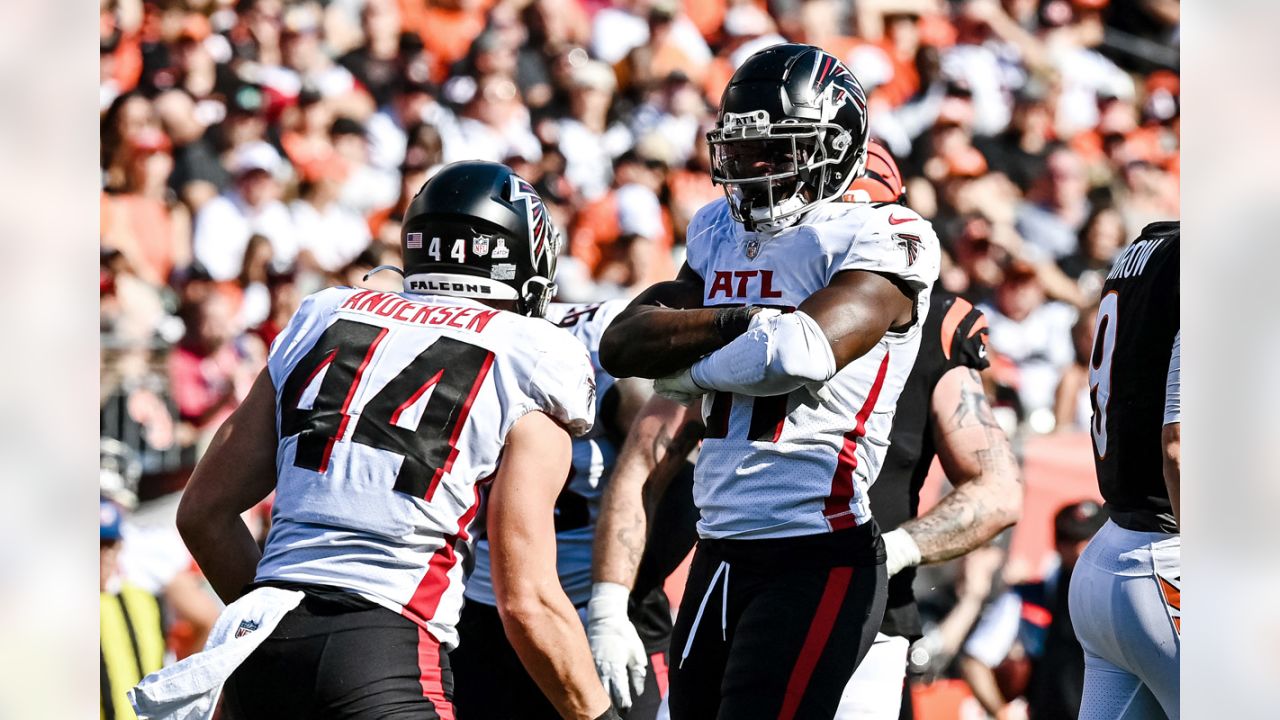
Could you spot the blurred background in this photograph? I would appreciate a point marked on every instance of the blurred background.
(255, 151)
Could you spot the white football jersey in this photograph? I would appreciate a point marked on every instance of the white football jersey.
(593, 456)
(801, 464)
(392, 411)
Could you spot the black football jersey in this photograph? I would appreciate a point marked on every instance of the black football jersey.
(1133, 342)
(954, 335)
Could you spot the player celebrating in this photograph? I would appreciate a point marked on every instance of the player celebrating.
(798, 404)
(379, 418)
(485, 658)
(1125, 595)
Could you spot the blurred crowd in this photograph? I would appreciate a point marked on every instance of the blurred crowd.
(254, 151)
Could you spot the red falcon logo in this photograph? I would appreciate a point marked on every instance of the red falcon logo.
(910, 243)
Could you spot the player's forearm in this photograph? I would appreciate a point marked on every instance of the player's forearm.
(967, 518)
(547, 635)
(622, 525)
(222, 546)
(653, 342)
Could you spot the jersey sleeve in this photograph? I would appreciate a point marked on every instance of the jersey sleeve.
(698, 235)
(1173, 384)
(306, 324)
(563, 385)
(894, 241)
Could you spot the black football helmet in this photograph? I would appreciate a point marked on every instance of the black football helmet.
(791, 134)
(478, 230)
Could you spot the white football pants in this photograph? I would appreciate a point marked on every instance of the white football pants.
(875, 690)
(1126, 609)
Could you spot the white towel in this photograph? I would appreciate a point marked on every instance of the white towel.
(189, 690)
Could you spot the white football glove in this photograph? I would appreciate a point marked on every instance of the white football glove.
(615, 645)
(900, 551)
(679, 387)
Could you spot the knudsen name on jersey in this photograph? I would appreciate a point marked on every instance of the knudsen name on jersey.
(1134, 259)
(391, 305)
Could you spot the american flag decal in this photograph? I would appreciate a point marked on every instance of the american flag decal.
(910, 243)
(413, 241)
(540, 226)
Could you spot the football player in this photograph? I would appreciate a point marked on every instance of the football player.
(377, 422)
(485, 659)
(797, 321)
(1125, 595)
(942, 411)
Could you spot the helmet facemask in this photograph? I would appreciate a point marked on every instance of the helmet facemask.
(773, 173)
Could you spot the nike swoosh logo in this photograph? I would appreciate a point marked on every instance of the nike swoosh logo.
(898, 221)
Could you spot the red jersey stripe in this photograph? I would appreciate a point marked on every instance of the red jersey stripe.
(837, 508)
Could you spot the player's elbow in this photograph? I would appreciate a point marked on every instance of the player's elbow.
(521, 605)
(1171, 439)
(1007, 505)
(193, 521)
(613, 352)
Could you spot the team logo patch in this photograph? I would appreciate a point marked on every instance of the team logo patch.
(752, 248)
(500, 250)
(480, 245)
(911, 244)
(413, 241)
(246, 627)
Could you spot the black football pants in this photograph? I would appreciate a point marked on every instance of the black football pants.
(774, 628)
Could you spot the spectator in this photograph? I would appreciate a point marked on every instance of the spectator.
(1034, 335)
(1056, 206)
(1030, 623)
(495, 125)
(131, 642)
(143, 224)
(630, 208)
(224, 224)
(367, 187)
(1102, 238)
(331, 235)
(209, 374)
(586, 138)
(375, 64)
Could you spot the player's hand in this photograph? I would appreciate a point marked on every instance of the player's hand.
(900, 551)
(619, 654)
(679, 387)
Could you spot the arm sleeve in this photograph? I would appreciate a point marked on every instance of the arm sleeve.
(1173, 384)
(778, 353)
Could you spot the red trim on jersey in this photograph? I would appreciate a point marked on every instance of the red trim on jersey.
(836, 507)
(457, 427)
(660, 672)
(955, 315)
(426, 598)
(430, 674)
(395, 416)
(824, 618)
(346, 403)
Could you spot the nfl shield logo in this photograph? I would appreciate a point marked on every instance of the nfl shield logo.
(480, 245)
(753, 248)
(246, 627)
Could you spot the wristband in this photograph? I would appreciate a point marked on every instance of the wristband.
(731, 322)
